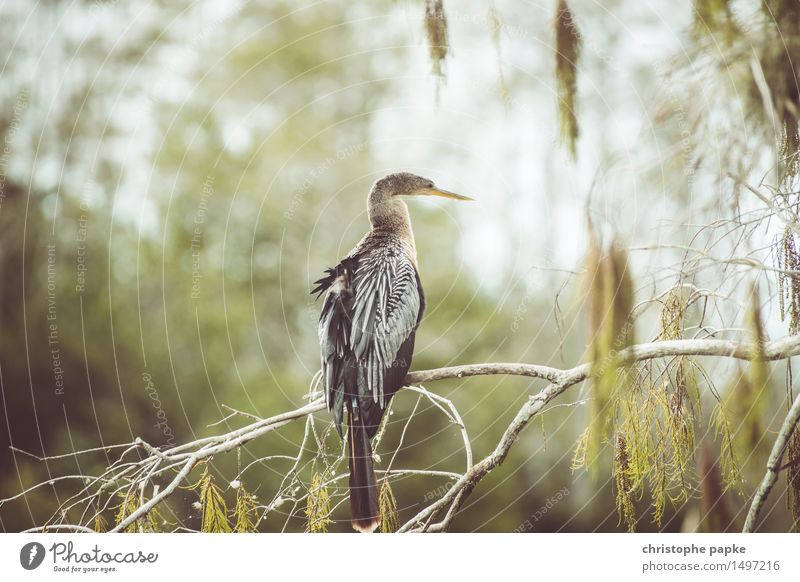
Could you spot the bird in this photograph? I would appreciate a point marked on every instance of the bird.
(373, 305)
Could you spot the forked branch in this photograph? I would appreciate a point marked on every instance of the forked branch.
(185, 457)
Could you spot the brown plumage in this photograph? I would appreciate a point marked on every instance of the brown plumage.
(373, 305)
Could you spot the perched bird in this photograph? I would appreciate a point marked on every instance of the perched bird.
(373, 305)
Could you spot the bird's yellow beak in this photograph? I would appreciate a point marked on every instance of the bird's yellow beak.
(442, 193)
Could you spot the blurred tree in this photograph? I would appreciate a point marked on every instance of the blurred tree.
(175, 174)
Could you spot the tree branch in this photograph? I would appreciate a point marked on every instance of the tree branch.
(186, 456)
(462, 488)
(773, 465)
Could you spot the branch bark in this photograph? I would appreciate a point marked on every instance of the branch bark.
(773, 465)
(187, 455)
(462, 488)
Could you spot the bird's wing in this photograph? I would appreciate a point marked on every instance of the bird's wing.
(371, 311)
(386, 311)
(334, 333)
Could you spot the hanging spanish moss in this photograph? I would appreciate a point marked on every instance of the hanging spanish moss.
(728, 459)
(759, 370)
(748, 395)
(682, 394)
(100, 523)
(788, 262)
(318, 506)
(611, 329)
(127, 506)
(656, 416)
(496, 26)
(149, 523)
(714, 18)
(623, 486)
(761, 55)
(651, 408)
(568, 49)
(244, 511)
(388, 508)
(598, 350)
(436, 31)
(212, 506)
(779, 58)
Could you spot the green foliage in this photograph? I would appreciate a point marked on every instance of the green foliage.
(760, 58)
(568, 49)
(243, 513)
(729, 463)
(652, 408)
(778, 60)
(436, 31)
(318, 506)
(633, 435)
(273, 222)
(130, 502)
(611, 330)
(213, 510)
(673, 476)
(100, 523)
(747, 397)
(388, 508)
(672, 315)
(681, 405)
(656, 422)
(714, 17)
(623, 485)
(579, 456)
(598, 350)
(125, 508)
(788, 262)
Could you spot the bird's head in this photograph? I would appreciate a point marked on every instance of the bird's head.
(385, 198)
(408, 184)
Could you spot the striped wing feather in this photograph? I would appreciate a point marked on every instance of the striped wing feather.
(373, 305)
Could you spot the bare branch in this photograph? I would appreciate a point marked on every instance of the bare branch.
(187, 455)
(461, 489)
(530, 370)
(773, 465)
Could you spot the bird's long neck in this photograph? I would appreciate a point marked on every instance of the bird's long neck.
(391, 218)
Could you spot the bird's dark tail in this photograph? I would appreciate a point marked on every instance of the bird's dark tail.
(364, 509)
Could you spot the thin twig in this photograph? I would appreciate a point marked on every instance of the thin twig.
(187, 455)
